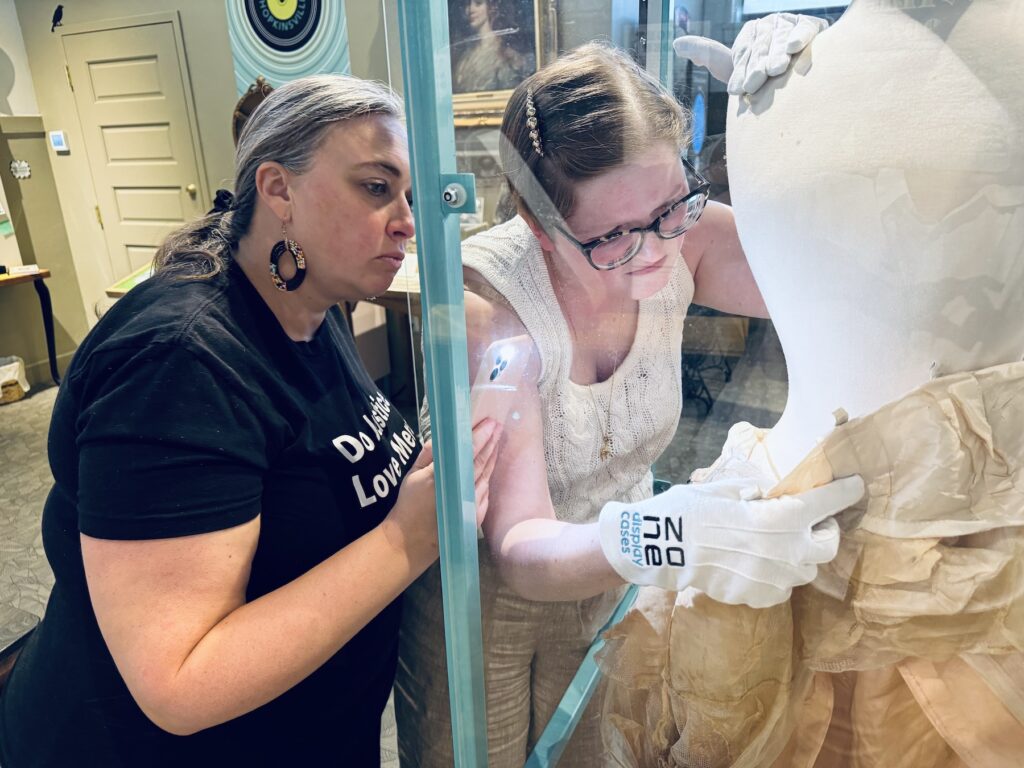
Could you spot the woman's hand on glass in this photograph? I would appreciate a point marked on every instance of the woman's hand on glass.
(411, 526)
(486, 435)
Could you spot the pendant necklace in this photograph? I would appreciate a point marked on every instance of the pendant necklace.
(607, 448)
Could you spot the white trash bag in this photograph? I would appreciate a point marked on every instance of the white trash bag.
(13, 384)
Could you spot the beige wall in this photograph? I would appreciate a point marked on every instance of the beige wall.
(82, 271)
(205, 34)
(367, 53)
(36, 215)
(40, 231)
(16, 98)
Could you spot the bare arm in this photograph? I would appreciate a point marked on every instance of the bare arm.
(194, 653)
(538, 556)
(720, 270)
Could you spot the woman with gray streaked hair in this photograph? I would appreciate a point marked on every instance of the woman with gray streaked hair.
(236, 507)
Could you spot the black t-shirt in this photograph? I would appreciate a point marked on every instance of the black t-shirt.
(188, 410)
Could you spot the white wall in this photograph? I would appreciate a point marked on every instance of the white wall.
(17, 96)
(205, 34)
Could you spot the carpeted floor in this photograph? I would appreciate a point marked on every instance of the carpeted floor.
(25, 479)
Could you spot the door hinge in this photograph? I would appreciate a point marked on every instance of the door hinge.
(99, 217)
(67, 71)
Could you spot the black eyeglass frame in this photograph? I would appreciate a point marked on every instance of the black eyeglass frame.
(703, 189)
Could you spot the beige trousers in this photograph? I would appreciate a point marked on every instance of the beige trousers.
(531, 652)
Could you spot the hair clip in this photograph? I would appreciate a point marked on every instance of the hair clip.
(531, 123)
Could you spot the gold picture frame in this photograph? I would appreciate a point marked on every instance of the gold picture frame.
(494, 44)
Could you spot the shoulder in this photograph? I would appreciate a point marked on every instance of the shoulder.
(191, 319)
(506, 256)
(510, 240)
(163, 308)
(717, 226)
(490, 318)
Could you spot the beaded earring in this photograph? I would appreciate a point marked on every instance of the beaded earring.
(289, 245)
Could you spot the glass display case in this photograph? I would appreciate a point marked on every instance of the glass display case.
(602, 239)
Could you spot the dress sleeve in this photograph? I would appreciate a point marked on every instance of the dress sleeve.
(167, 447)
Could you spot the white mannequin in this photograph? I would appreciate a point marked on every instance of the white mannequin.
(879, 194)
(878, 190)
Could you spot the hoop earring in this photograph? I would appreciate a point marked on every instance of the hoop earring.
(282, 245)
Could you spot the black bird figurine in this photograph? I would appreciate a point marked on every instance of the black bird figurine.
(58, 14)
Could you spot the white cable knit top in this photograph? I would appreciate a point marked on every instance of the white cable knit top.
(647, 399)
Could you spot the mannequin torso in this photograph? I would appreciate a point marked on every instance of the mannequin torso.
(879, 195)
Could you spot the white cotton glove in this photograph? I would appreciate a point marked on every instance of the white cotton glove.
(762, 49)
(725, 540)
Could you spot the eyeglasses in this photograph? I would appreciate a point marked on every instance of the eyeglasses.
(616, 249)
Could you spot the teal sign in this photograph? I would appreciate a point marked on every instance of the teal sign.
(284, 25)
(285, 39)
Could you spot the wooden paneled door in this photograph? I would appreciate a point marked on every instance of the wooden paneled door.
(133, 97)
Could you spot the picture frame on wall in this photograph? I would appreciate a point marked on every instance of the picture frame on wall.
(495, 44)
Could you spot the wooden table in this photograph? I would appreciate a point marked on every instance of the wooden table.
(37, 278)
(125, 284)
(402, 295)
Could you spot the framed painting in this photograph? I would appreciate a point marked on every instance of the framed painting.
(495, 44)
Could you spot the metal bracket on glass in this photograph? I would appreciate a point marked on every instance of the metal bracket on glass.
(458, 192)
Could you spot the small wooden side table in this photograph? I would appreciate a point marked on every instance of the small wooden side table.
(37, 278)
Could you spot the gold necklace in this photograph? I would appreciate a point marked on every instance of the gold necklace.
(606, 443)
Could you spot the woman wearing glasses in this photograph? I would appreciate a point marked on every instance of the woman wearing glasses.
(614, 239)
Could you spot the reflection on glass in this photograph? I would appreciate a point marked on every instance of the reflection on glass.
(885, 226)
(492, 44)
(591, 146)
(617, 248)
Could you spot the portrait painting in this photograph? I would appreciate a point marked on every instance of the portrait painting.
(495, 44)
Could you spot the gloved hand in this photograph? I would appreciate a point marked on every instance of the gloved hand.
(762, 49)
(725, 540)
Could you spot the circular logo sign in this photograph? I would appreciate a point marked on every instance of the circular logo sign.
(284, 25)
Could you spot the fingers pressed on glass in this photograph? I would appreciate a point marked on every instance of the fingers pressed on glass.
(485, 443)
(482, 437)
(493, 457)
(483, 495)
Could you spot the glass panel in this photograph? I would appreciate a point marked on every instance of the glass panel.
(861, 216)
(440, 705)
(873, 207)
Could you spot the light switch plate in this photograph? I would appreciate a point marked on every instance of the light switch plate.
(59, 142)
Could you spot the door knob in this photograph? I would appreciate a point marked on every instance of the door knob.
(191, 189)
